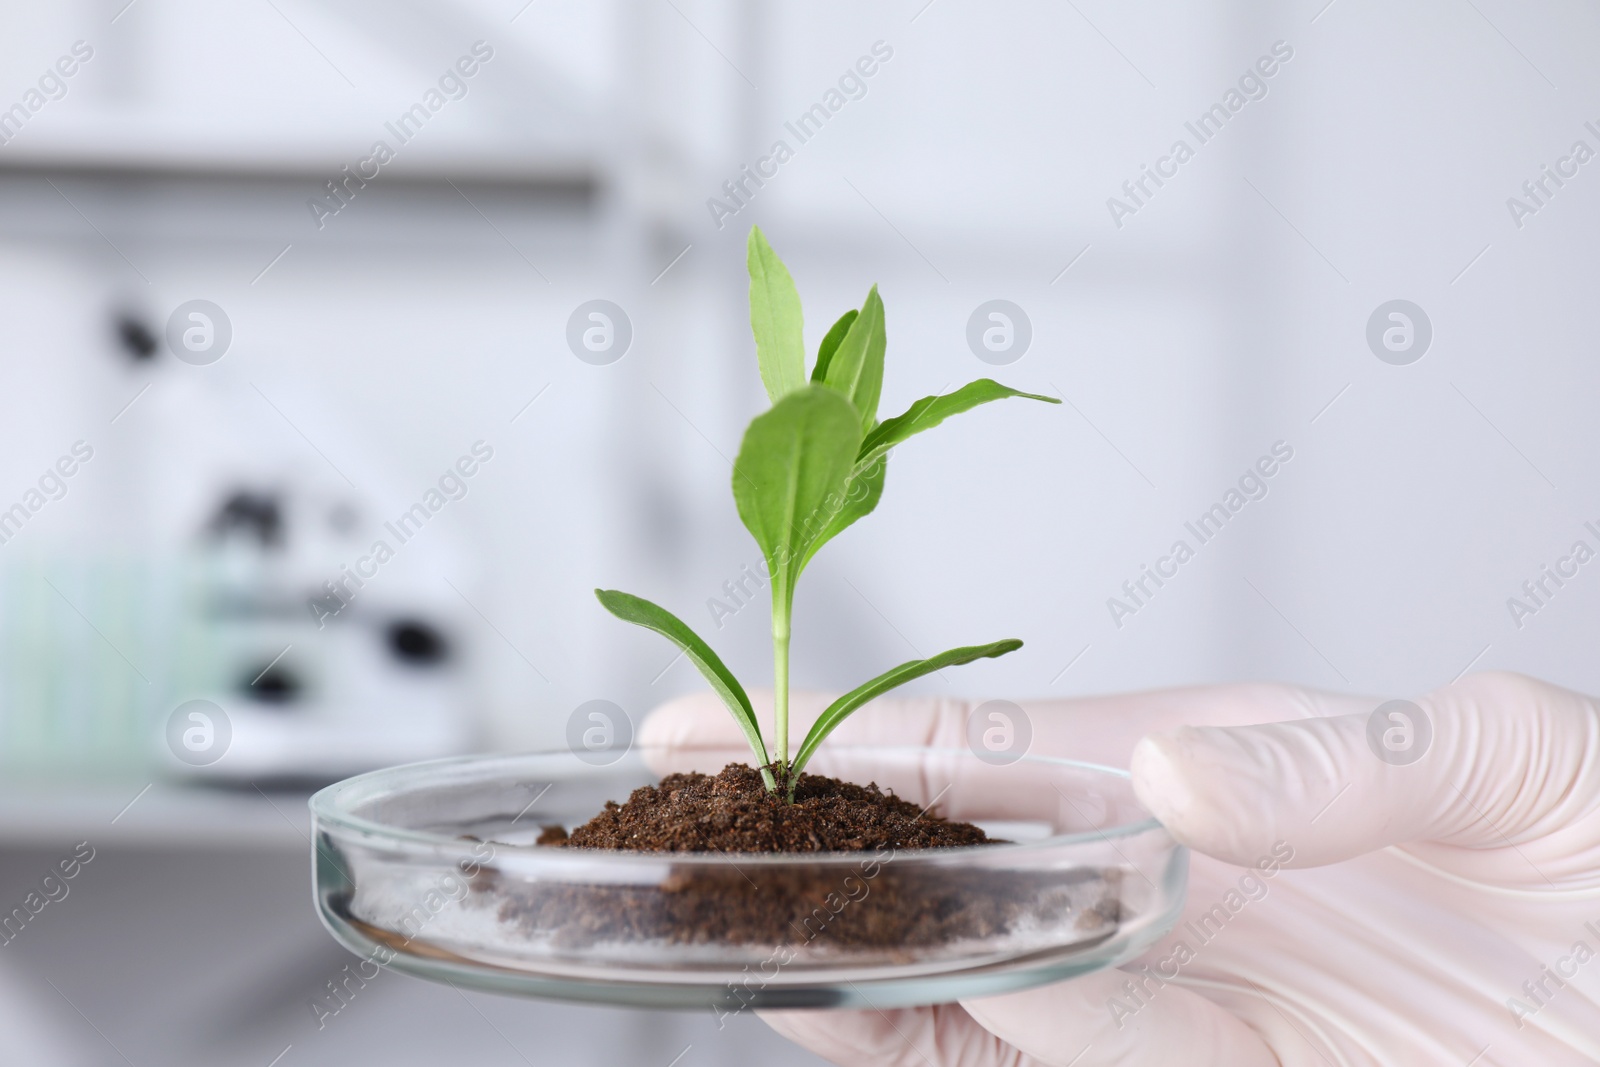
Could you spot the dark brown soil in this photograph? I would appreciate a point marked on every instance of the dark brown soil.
(733, 812)
(870, 903)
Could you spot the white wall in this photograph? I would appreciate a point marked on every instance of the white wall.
(1217, 320)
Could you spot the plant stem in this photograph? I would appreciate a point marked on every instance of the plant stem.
(780, 683)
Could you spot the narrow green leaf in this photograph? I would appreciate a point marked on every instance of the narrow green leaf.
(641, 612)
(830, 342)
(789, 478)
(930, 411)
(856, 367)
(862, 492)
(865, 487)
(840, 709)
(775, 319)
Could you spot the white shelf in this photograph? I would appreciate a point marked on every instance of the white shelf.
(88, 149)
(163, 816)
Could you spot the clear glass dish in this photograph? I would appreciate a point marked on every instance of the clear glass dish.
(432, 869)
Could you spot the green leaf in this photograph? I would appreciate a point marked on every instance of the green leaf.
(775, 319)
(830, 342)
(930, 411)
(856, 366)
(865, 487)
(841, 709)
(641, 612)
(862, 492)
(789, 479)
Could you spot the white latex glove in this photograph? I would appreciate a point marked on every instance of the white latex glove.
(1441, 912)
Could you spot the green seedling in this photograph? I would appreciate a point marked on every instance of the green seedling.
(808, 468)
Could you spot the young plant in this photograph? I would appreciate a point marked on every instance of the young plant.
(808, 468)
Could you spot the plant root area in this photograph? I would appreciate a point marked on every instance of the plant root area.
(733, 812)
(874, 904)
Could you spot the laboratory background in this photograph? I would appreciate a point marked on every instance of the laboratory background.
(284, 281)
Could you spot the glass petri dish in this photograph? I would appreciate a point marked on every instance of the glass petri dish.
(433, 869)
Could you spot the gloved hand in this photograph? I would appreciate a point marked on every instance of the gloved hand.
(1443, 911)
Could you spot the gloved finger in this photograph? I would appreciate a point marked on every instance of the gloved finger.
(951, 784)
(700, 720)
(1086, 1023)
(697, 733)
(1495, 761)
(940, 1036)
(1098, 729)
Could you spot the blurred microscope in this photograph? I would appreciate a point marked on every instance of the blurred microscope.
(311, 641)
(318, 676)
